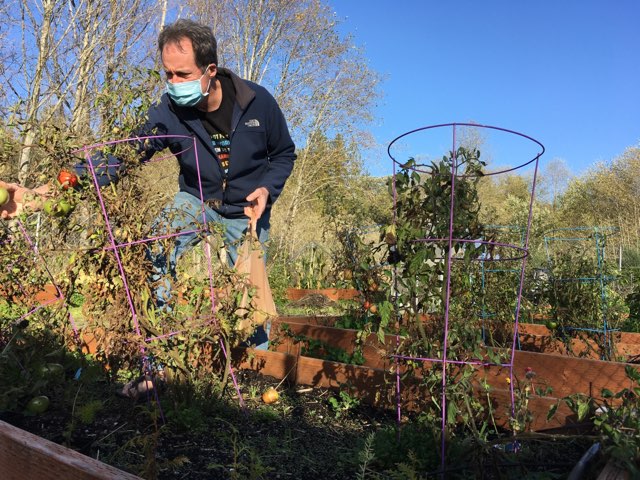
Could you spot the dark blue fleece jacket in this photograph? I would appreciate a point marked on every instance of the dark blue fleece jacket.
(262, 152)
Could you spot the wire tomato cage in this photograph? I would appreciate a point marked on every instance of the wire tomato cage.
(181, 143)
(450, 246)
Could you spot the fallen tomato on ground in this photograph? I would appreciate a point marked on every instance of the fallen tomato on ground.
(38, 404)
(49, 207)
(65, 208)
(55, 369)
(270, 395)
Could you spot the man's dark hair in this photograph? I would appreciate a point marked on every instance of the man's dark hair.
(204, 42)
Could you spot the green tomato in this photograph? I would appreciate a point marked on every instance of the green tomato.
(38, 404)
(551, 325)
(64, 208)
(55, 369)
(49, 207)
(4, 196)
(61, 208)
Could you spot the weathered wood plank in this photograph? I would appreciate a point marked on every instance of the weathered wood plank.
(612, 472)
(330, 293)
(565, 375)
(378, 388)
(27, 456)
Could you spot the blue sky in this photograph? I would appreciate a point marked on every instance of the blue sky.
(565, 72)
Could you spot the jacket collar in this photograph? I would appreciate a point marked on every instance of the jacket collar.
(244, 93)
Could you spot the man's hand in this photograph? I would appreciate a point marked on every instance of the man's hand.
(258, 199)
(21, 198)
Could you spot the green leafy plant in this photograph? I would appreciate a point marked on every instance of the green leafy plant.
(615, 419)
(26, 370)
(343, 402)
(246, 461)
(632, 323)
(526, 388)
(315, 348)
(87, 412)
(582, 296)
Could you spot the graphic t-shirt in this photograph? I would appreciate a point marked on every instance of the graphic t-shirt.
(218, 122)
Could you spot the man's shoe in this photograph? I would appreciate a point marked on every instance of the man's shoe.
(141, 385)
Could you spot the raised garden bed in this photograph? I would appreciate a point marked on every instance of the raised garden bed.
(308, 378)
(27, 456)
(533, 337)
(564, 375)
(300, 436)
(331, 293)
(373, 380)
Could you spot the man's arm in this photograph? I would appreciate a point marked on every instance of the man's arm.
(281, 151)
(108, 168)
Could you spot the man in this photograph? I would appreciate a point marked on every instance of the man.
(245, 153)
(243, 147)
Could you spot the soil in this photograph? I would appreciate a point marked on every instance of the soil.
(300, 436)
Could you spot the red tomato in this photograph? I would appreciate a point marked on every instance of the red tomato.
(67, 179)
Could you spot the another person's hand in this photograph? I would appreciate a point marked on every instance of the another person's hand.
(21, 198)
(258, 199)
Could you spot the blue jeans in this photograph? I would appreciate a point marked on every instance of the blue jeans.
(184, 214)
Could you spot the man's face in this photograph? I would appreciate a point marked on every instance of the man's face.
(179, 64)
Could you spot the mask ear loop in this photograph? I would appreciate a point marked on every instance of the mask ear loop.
(210, 78)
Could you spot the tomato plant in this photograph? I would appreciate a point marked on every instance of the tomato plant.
(408, 292)
(581, 294)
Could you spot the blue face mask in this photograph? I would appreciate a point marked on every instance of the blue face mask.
(187, 94)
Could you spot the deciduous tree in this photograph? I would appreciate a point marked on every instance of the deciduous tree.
(68, 52)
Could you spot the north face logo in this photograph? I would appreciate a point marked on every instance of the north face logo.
(252, 123)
